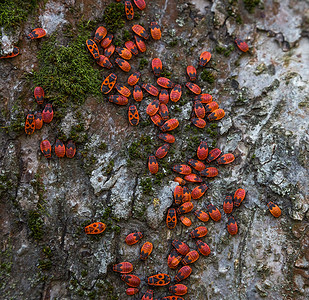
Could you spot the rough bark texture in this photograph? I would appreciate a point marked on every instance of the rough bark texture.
(45, 203)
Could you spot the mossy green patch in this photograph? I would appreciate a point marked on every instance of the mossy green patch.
(114, 17)
(208, 76)
(143, 63)
(35, 223)
(66, 72)
(250, 5)
(226, 51)
(14, 12)
(146, 186)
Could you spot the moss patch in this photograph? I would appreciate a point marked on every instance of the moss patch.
(250, 5)
(208, 76)
(114, 17)
(13, 12)
(66, 72)
(35, 223)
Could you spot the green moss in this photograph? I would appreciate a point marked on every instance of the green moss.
(6, 258)
(173, 43)
(47, 251)
(35, 224)
(92, 295)
(166, 73)
(250, 5)
(116, 229)
(84, 273)
(109, 168)
(207, 76)
(114, 17)
(226, 51)
(103, 146)
(45, 264)
(126, 35)
(253, 156)
(142, 63)
(135, 150)
(14, 12)
(146, 186)
(66, 72)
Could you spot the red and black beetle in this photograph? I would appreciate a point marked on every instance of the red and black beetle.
(46, 148)
(39, 95)
(133, 238)
(48, 113)
(70, 149)
(59, 148)
(146, 250)
(30, 124)
(159, 279)
(171, 218)
(36, 33)
(123, 267)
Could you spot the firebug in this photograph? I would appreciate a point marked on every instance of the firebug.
(213, 154)
(202, 151)
(70, 149)
(140, 31)
(137, 93)
(153, 165)
(38, 120)
(156, 66)
(182, 169)
(100, 34)
(183, 273)
(146, 250)
(128, 6)
(214, 212)
(39, 95)
(134, 78)
(228, 204)
(133, 115)
(198, 232)
(201, 215)
(152, 90)
(162, 151)
(59, 148)
(159, 279)
(185, 208)
(203, 248)
(95, 228)
(190, 258)
(166, 137)
(226, 159)
(46, 148)
(48, 113)
(131, 280)
(30, 124)
(123, 267)
(107, 40)
(181, 247)
(108, 83)
(232, 227)
(153, 107)
(191, 71)
(36, 33)
(140, 44)
(274, 209)
(165, 82)
(199, 191)
(155, 30)
(204, 58)
(133, 238)
(93, 48)
(239, 196)
(243, 46)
